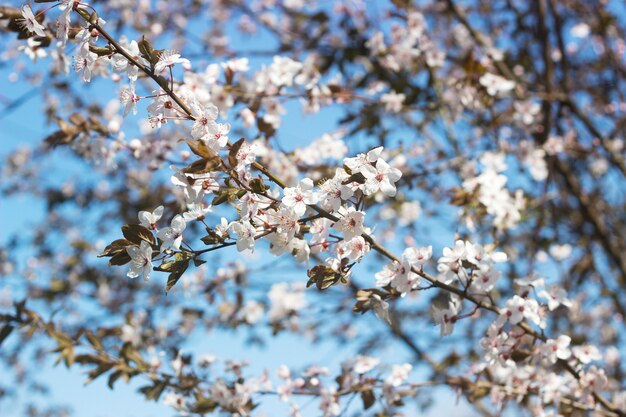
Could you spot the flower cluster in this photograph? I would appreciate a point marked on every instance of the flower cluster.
(332, 204)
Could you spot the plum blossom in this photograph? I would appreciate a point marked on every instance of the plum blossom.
(172, 236)
(283, 70)
(399, 276)
(167, 60)
(196, 211)
(495, 84)
(300, 250)
(120, 63)
(299, 197)
(246, 155)
(176, 401)
(236, 65)
(353, 249)
(286, 220)
(33, 49)
(477, 255)
(246, 233)
(129, 99)
(382, 177)
(350, 223)
(141, 260)
(329, 404)
(357, 163)
(30, 23)
(380, 307)
(586, 353)
(518, 309)
(205, 123)
(446, 317)
(483, 281)
(450, 264)
(333, 191)
(418, 256)
(363, 364)
(558, 348)
(393, 101)
(198, 184)
(398, 374)
(149, 220)
(555, 296)
(84, 62)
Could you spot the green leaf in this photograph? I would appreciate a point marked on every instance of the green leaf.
(166, 266)
(178, 269)
(232, 154)
(154, 391)
(265, 127)
(198, 261)
(203, 406)
(358, 177)
(147, 52)
(258, 186)
(120, 258)
(116, 247)
(5, 332)
(227, 195)
(94, 341)
(203, 165)
(98, 371)
(101, 51)
(199, 148)
(220, 197)
(114, 377)
(60, 137)
(323, 277)
(136, 233)
(212, 237)
(368, 399)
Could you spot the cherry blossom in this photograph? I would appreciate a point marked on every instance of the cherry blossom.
(556, 349)
(30, 23)
(301, 196)
(172, 236)
(381, 177)
(149, 219)
(167, 60)
(141, 260)
(495, 84)
(350, 223)
(245, 235)
(84, 62)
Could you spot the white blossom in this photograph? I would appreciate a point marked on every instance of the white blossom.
(141, 260)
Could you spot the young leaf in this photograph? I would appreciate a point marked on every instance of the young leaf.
(368, 399)
(232, 154)
(178, 269)
(5, 332)
(136, 233)
(199, 148)
(203, 165)
(116, 247)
